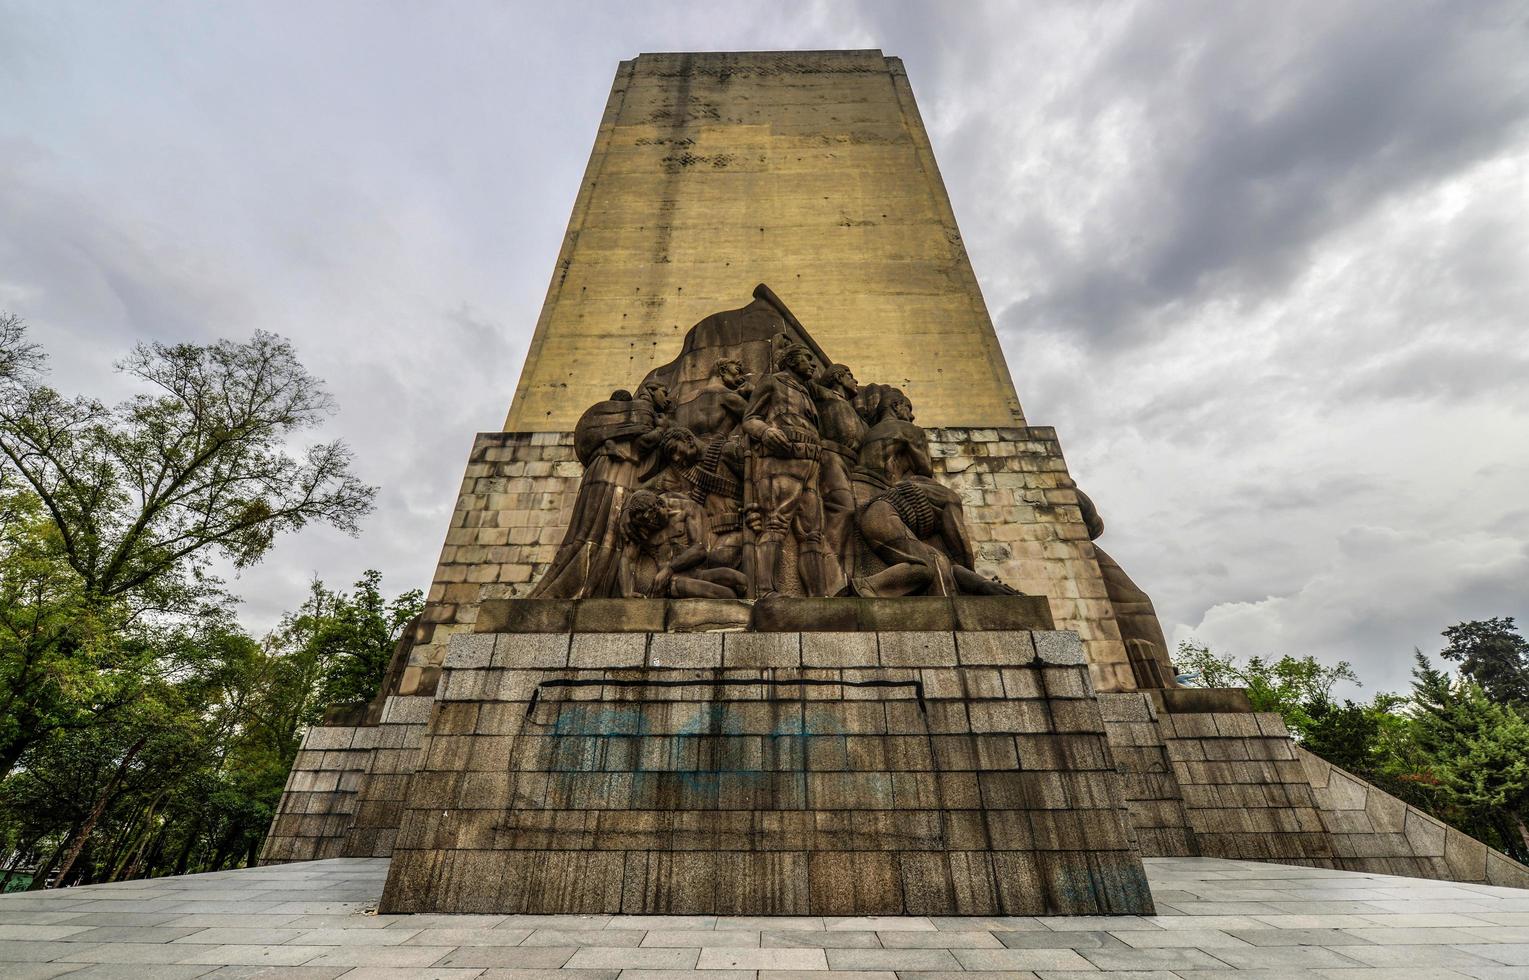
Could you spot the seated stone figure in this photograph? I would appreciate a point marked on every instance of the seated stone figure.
(666, 554)
(1140, 629)
(911, 523)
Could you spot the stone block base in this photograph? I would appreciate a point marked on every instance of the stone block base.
(384, 785)
(318, 804)
(899, 772)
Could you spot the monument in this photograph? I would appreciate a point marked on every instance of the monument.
(768, 599)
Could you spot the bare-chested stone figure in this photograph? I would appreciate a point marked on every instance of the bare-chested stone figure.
(715, 411)
(909, 520)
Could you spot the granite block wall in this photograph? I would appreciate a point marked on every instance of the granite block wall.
(314, 815)
(517, 497)
(790, 773)
(1148, 785)
(1374, 831)
(1245, 793)
(383, 787)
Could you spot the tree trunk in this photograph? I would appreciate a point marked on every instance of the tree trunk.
(10, 753)
(123, 842)
(130, 845)
(143, 863)
(15, 865)
(1523, 834)
(184, 859)
(44, 870)
(225, 846)
(83, 866)
(101, 803)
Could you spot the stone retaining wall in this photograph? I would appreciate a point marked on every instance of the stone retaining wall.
(766, 773)
(1372, 830)
(384, 784)
(314, 815)
(1147, 781)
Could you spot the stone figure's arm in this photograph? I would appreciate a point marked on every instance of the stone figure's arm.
(619, 449)
(626, 574)
(696, 552)
(754, 416)
(649, 440)
(735, 404)
(953, 531)
(918, 454)
(1091, 518)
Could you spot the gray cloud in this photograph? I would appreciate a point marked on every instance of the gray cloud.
(1264, 267)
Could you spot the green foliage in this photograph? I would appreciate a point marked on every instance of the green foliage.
(112, 516)
(141, 730)
(1452, 746)
(344, 641)
(1296, 687)
(1493, 654)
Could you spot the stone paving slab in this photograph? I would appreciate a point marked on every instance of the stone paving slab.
(1218, 920)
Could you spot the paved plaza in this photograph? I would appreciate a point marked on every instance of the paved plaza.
(1216, 918)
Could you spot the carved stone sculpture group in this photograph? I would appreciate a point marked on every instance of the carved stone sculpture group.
(794, 480)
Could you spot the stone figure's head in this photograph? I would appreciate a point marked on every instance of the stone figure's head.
(680, 446)
(621, 395)
(876, 403)
(643, 514)
(797, 359)
(731, 372)
(658, 393)
(837, 377)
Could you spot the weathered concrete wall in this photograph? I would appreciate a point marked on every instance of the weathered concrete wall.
(808, 170)
(518, 492)
(766, 773)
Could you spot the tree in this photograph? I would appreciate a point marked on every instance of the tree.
(1478, 753)
(1299, 688)
(142, 497)
(340, 643)
(1493, 654)
(187, 776)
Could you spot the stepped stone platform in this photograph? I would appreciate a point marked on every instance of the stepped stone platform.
(819, 757)
(1216, 919)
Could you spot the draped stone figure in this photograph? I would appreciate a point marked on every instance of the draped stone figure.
(611, 440)
(1140, 628)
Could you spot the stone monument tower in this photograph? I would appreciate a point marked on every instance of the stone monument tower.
(768, 600)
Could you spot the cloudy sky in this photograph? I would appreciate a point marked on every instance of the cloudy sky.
(1264, 266)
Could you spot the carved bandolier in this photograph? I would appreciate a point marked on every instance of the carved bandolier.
(785, 483)
(842, 429)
